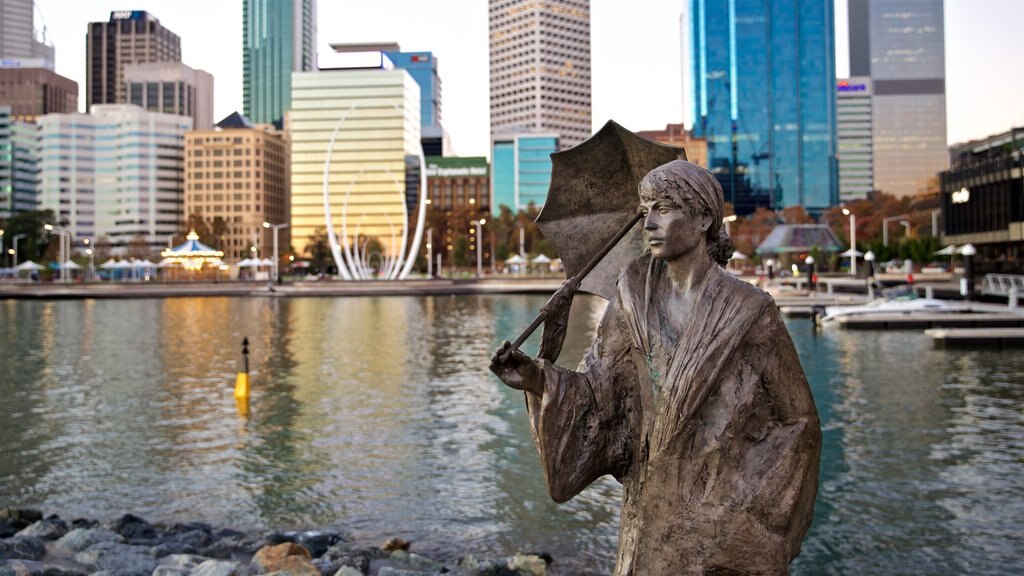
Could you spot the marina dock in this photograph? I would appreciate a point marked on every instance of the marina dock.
(973, 337)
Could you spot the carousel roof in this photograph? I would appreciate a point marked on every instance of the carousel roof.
(191, 247)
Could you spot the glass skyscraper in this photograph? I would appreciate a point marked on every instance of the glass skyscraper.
(762, 87)
(900, 45)
(520, 170)
(278, 38)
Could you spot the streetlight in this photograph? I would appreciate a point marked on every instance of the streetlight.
(479, 246)
(853, 241)
(92, 263)
(885, 227)
(810, 262)
(869, 257)
(64, 236)
(726, 221)
(276, 227)
(14, 251)
(430, 253)
(1, 241)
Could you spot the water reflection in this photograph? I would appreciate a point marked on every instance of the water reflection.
(378, 416)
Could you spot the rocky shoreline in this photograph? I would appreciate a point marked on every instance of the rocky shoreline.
(32, 544)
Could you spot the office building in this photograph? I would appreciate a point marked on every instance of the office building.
(762, 84)
(853, 138)
(116, 176)
(677, 135)
(278, 38)
(360, 130)
(900, 45)
(455, 183)
(540, 69)
(422, 66)
(982, 193)
(19, 159)
(129, 37)
(520, 170)
(235, 180)
(19, 37)
(172, 88)
(32, 92)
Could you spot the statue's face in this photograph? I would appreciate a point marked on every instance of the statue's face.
(671, 230)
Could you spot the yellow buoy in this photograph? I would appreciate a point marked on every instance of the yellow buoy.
(242, 380)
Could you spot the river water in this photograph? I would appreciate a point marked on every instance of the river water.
(377, 416)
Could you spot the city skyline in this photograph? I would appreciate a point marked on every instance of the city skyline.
(635, 54)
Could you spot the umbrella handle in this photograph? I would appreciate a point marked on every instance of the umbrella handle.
(543, 315)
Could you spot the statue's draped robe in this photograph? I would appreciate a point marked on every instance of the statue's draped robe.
(711, 429)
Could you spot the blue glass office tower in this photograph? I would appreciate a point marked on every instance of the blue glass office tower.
(763, 82)
(278, 38)
(520, 170)
(422, 66)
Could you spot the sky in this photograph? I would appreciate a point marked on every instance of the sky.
(635, 55)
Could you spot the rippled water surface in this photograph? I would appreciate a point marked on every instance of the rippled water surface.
(378, 416)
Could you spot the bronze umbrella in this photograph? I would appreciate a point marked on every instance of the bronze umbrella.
(590, 212)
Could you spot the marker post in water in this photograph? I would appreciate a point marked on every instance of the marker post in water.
(242, 380)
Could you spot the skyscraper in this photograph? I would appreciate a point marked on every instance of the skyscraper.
(173, 88)
(422, 66)
(19, 157)
(763, 82)
(853, 138)
(540, 68)
(278, 38)
(129, 37)
(18, 35)
(900, 45)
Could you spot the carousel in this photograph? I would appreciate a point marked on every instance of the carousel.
(193, 256)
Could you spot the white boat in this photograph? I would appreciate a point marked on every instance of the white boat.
(898, 300)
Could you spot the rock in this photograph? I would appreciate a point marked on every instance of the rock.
(185, 562)
(318, 541)
(81, 538)
(275, 538)
(390, 571)
(133, 528)
(287, 557)
(347, 554)
(47, 529)
(216, 568)
(171, 548)
(169, 571)
(232, 547)
(416, 562)
(395, 543)
(13, 520)
(194, 538)
(122, 559)
(22, 548)
(348, 571)
(31, 568)
(519, 564)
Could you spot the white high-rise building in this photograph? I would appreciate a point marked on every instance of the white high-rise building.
(115, 176)
(18, 36)
(355, 150)
(540, 68)
(853, 138)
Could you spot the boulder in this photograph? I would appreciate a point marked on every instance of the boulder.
(318, 541)
(22, 548)
(169, 571)
(185, 562)
(194, 538)
(391, 571)
(216, 568)
(416, 562)
(133, 528)
(232, 547)
(171, 548)
(122, 559)
(48, 529)
(395, 543)
(81, 538)
(287, 557)
(348, 571)
(519, 564)
(13, 520)
(31, 568)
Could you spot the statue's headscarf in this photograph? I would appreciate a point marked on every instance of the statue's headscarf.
(679, 175)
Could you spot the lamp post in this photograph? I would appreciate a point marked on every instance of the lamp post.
(63, 258)
(14, 251)
(276, 227)
(885, 227)
(869, 259)
(726, 221)
(812, 272)
(1, 244)
(479, 246)
(967, 282)
(853, 241)
(430, 253)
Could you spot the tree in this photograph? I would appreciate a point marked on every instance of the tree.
(796, 215)
(318, 248)
(36, 240)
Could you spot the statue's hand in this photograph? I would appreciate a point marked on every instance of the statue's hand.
(516, 369)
